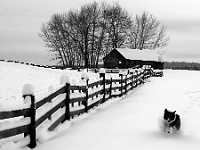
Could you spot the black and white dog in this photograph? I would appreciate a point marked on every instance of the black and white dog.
(171, 121)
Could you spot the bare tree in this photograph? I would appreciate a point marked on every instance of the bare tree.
(118, 22)
(87, 30)
(76, 37)
(51, 35)
(147, 32)
(80, 37)
(85, 24)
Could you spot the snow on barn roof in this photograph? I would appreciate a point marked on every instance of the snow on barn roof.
(136, 54)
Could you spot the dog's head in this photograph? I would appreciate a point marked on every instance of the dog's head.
(168, 115)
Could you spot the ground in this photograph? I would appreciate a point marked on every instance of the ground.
(130, 122)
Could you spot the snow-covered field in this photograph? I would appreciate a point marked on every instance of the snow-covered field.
(130, 122)
(45, 81)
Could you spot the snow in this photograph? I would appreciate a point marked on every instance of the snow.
(10, 146)
(129, 122)
(102, 70)
(45, 81)
(132, 122)
(64, 79)
(28, 89)
(136, 54)
(84, 75)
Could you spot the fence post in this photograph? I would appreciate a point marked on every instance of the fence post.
(145, 73)
(32, 127)
(132, 81)
(143, 77)
(110, 92)
(126, 84)
(120, 75)
(67, 100)
(136, 81)
(139, 75)
(103, 75)
(86, 96)
(151, 72)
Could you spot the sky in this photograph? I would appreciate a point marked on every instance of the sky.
(21, 21)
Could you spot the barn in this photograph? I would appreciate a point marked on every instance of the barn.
(127, 58)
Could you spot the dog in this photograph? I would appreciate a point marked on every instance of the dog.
(172, 121)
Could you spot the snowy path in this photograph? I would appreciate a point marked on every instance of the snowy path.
(132, 123)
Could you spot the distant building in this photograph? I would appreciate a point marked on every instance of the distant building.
(128, 58)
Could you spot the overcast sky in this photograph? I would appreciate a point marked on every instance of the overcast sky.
(21, 20)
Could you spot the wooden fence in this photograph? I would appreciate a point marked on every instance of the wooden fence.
(91, 95)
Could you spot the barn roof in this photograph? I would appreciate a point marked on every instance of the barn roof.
(136, 54)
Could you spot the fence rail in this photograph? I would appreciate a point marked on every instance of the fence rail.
(91, 85)
(14, 131)
(93, 94)
(49, 113)
(50, 97)
(14, 113)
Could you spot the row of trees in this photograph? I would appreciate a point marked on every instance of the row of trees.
(80, 37)
(182, 65)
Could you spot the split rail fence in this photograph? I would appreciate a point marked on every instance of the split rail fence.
(90, 96)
